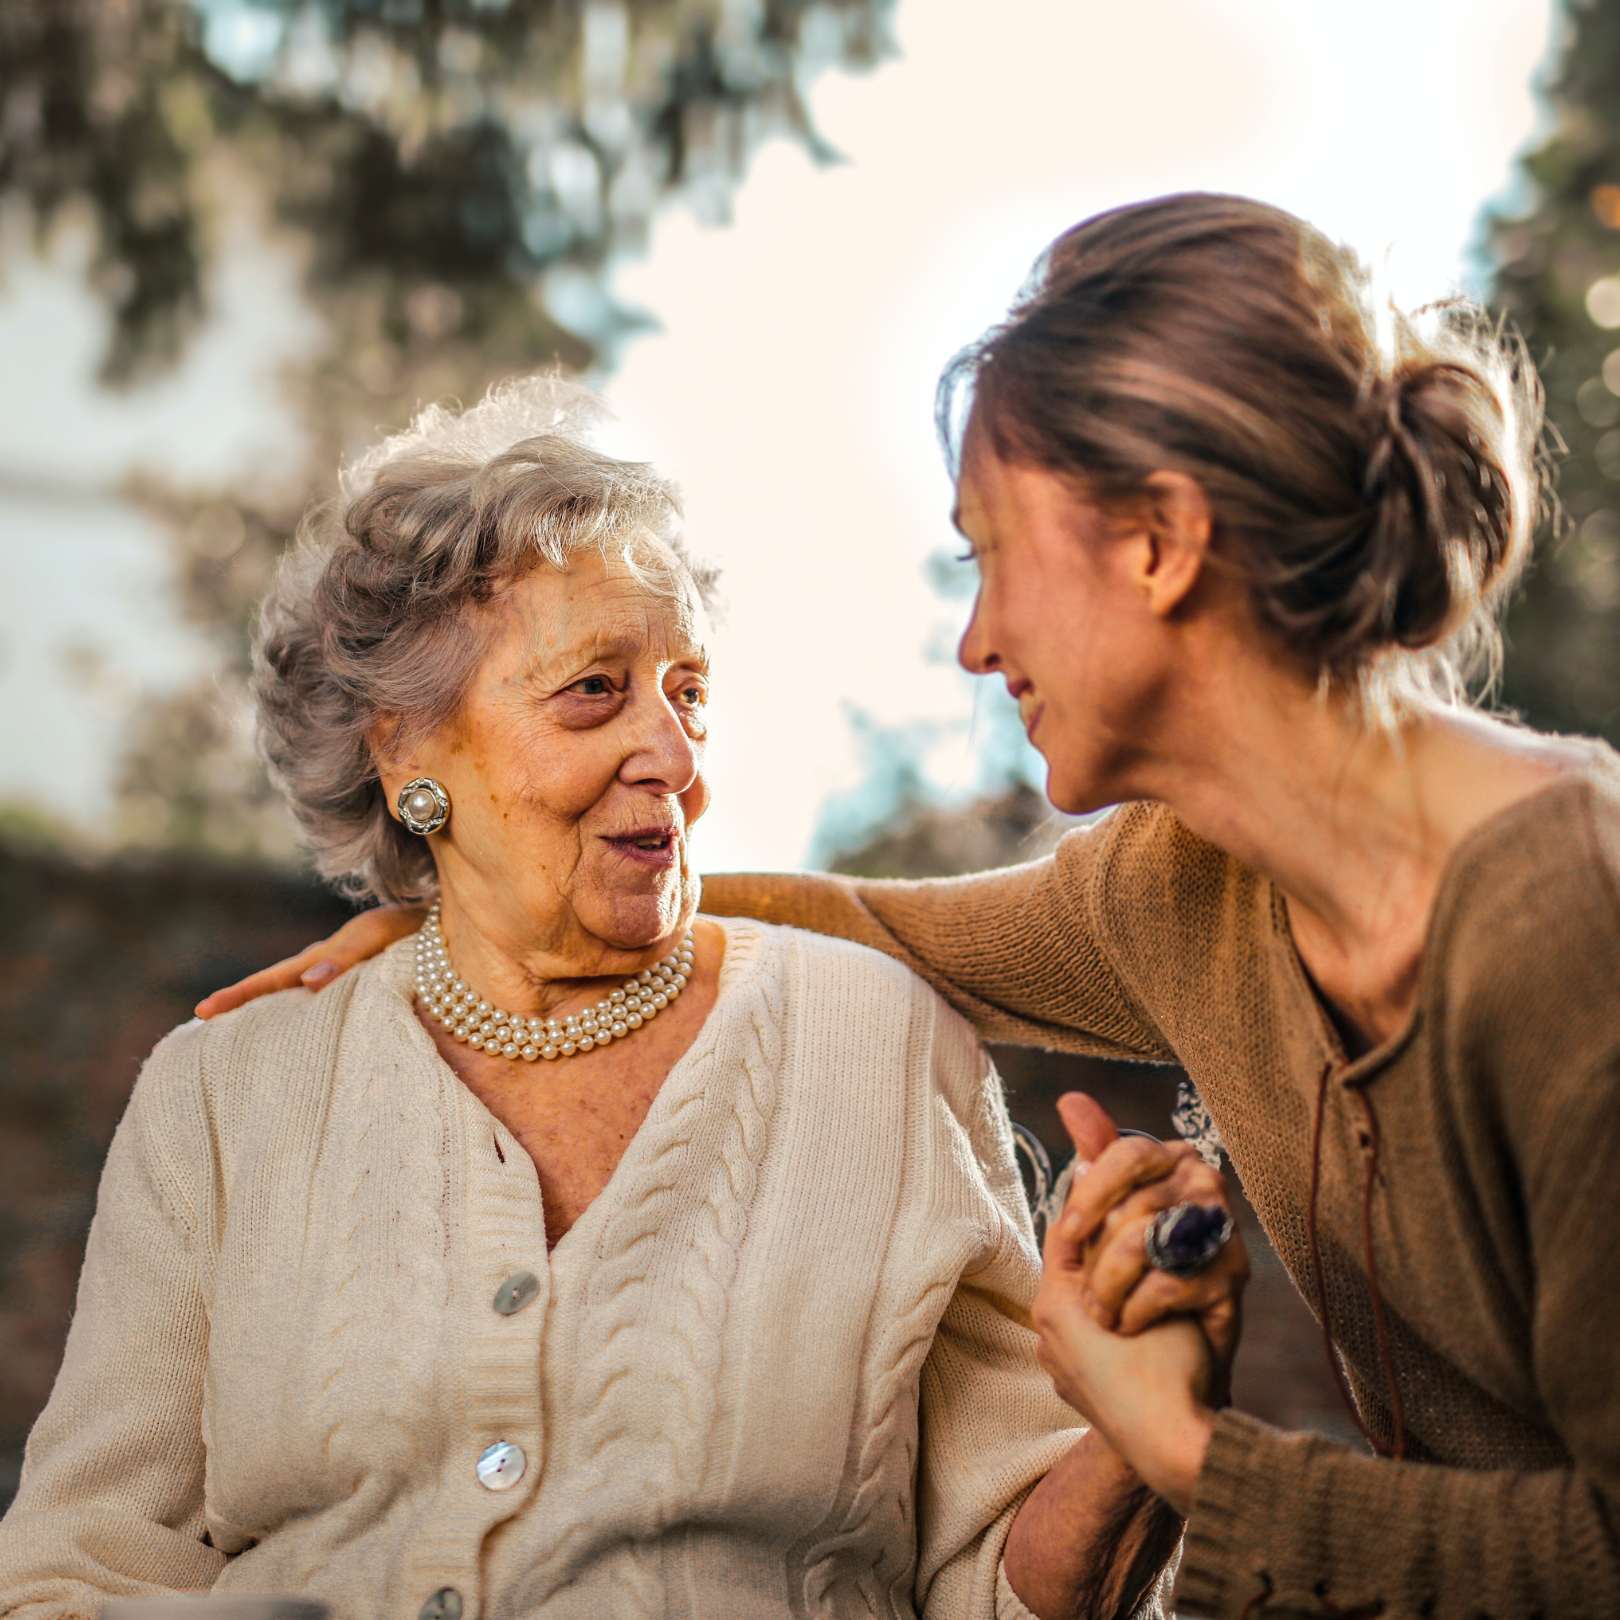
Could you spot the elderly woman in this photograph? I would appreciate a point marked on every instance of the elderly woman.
(580, 1257)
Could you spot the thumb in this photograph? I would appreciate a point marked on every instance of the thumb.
(1088, 1124)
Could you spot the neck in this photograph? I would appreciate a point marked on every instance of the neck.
(547, 973)
(448, 999)
(1333, 812)
(1353, 823)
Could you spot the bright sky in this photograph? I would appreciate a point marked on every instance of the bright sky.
(790, 387)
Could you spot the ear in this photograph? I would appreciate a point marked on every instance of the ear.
(1177, 533)
(393, 771)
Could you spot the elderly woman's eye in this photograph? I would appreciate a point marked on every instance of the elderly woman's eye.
(694, 695)
(592, 686)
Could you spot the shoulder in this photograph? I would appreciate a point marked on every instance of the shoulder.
(1147, 853)
(1526, 936)
(876, 1051)
(216, 1073)
(865, 1023)
(855, 1008)
(1171, 911)
(854, 984)
(1542, 875)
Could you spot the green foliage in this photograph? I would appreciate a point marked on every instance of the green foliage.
(1552, 270)
(445, 154)
(460, 178)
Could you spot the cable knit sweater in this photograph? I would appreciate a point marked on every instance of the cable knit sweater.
(776, 1369)
(1495, 1122)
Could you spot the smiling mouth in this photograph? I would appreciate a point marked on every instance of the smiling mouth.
(646, 841)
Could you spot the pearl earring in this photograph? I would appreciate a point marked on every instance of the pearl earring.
(424, 806)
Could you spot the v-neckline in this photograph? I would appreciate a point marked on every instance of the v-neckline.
(1384, 1052)
(671, 1094)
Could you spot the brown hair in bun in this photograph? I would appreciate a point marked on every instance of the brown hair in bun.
(1377, 489)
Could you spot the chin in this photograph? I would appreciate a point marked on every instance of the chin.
(1078, 793)
(635, 922)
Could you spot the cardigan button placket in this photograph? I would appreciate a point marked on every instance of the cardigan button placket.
(445, 1604)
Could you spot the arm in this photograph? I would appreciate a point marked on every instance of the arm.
(1072, 1532)
(1094, 1504)
(1020, 952)
(1087, 1542)
(111, 1499)
(1090, 1541)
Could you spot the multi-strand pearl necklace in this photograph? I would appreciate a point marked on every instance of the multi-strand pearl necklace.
(510, 1035)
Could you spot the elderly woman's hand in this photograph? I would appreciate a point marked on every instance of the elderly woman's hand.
(318, 964)
(1143, 1354)
(1126, 1182)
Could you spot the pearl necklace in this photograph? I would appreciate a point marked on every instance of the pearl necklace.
(510, 1035)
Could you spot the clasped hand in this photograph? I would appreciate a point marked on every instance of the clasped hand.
(1143, 1355)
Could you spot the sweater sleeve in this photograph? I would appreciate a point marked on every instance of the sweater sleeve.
(1018, 952)
(111, 1497)
(991, 1425)
(1297, 1525)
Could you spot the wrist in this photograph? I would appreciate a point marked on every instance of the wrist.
(1169, 1453)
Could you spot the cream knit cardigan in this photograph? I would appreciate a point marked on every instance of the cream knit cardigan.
(776, 1369)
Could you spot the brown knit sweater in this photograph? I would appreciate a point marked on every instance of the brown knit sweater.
(1494, 1203)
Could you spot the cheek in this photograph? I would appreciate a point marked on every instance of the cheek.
(548, 774)
(1047, 625)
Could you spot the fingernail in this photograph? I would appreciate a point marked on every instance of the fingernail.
(316, 976)
(1079, 1168)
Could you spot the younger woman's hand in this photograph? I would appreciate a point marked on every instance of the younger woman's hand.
(1149, 1396)
(1105, 1219)
(318, 964)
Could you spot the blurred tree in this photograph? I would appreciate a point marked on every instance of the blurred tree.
(1556, 275)
(462, 176)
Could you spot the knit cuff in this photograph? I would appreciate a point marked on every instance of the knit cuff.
(1009, 1606)
(1214, 1577)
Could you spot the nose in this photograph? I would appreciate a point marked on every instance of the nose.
(663, 755)
(974, 652)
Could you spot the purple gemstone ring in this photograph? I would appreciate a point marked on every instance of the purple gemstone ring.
(1186, 1237)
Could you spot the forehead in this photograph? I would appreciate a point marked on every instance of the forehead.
(974, 510)
(1003, 502)
(643, 599)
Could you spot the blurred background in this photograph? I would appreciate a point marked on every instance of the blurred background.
(239, 237)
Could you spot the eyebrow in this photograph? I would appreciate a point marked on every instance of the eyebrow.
(543, 665)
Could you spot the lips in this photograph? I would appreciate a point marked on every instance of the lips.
(648, 846)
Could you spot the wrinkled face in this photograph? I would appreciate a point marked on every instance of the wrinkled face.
(575, 769)
(1061, 618)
